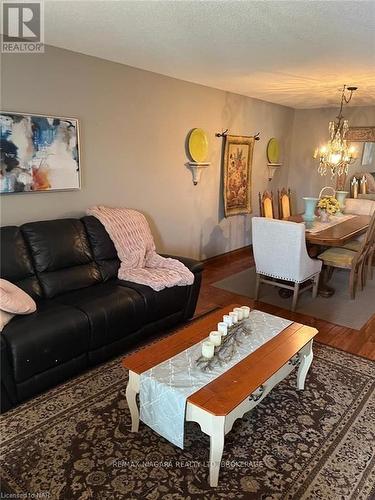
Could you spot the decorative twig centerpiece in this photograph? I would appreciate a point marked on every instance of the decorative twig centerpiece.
(222, 345)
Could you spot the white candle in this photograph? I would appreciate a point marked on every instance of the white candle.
(222, 328)
(208, 349)
(215, 338)
(246, 311)
(228, 320)
(239, 312)
(234, 316)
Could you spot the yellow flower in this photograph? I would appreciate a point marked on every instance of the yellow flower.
(329, 203)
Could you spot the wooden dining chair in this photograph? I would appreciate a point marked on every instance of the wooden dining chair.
(356, 244)
(284, 203)
(355, 261)
(266, 206)
(371, 251)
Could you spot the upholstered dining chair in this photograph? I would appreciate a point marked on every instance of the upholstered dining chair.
(284, 202)
(356, 259)
(266, 207)
(359, 206)
(280, 252)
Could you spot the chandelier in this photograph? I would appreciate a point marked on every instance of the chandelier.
(336, 155)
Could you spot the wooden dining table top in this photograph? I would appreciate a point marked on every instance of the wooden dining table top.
(340, 233)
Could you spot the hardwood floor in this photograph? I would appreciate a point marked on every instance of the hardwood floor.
(360, 342)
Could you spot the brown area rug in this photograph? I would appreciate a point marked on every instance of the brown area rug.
(74, 442)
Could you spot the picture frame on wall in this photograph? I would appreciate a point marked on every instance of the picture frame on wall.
(39, 153)
(368, 153)
(238, 158)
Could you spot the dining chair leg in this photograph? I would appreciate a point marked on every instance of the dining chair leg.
(330, 270)
(295, 296)
(370, 262)
(257, 286)
(361, 274)
(353, 283)
(315, 287)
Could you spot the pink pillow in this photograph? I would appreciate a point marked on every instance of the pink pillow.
(4, 319)
(14, 300)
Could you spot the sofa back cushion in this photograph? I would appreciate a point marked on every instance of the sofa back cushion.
(104, 251)
(62, 255)
(16, 261)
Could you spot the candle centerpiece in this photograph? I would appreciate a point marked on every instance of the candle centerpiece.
(215, 338)
(222, 328)
(208, 349)
(234, 317)
(221, 346)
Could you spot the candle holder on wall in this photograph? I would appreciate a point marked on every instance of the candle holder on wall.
(197, 146)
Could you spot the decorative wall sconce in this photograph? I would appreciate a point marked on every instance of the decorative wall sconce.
(198, 151)
(196, 169)
(272, 168)
(273, 156)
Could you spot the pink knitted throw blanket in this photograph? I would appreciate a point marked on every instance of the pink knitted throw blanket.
(131, 235)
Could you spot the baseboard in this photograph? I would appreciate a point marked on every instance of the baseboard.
(231, 253)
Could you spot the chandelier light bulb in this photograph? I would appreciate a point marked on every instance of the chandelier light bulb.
(335, 158)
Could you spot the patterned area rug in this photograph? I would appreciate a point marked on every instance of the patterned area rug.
(74, 442)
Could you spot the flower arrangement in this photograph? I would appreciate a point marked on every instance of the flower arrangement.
(329, 204)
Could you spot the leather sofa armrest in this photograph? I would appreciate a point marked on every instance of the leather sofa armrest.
(195, 266)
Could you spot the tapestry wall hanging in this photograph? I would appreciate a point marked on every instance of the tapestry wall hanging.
(238, 159)
(38, 153)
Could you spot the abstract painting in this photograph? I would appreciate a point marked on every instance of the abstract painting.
(238, 158)
(38, 153)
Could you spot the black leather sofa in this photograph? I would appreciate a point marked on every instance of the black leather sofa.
(85, 314)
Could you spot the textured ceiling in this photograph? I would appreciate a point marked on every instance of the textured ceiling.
(296, 53)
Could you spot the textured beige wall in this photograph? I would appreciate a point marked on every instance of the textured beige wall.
(133, 129)
(309, 131)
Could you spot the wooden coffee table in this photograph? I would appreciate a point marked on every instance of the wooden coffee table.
(217, 405)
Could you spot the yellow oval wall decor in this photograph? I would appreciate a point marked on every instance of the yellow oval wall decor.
(198, 145)
(273, 150)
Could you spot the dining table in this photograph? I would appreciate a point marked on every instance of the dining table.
(336, 233)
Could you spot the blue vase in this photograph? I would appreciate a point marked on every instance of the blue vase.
(310, 205)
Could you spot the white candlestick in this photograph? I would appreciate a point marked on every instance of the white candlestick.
(222, 328)
(215, 338)
(239, 311)
(246, 311)
(228, 320)
(234, 316)
(208, 349)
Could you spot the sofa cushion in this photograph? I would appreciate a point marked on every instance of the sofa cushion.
(50, 337)
(62, 255)
(112, 311)
(16, 262)
(103, 249)
(160, 304)
(5, 317)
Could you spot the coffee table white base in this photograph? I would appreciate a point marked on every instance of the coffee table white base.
(217, 426)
